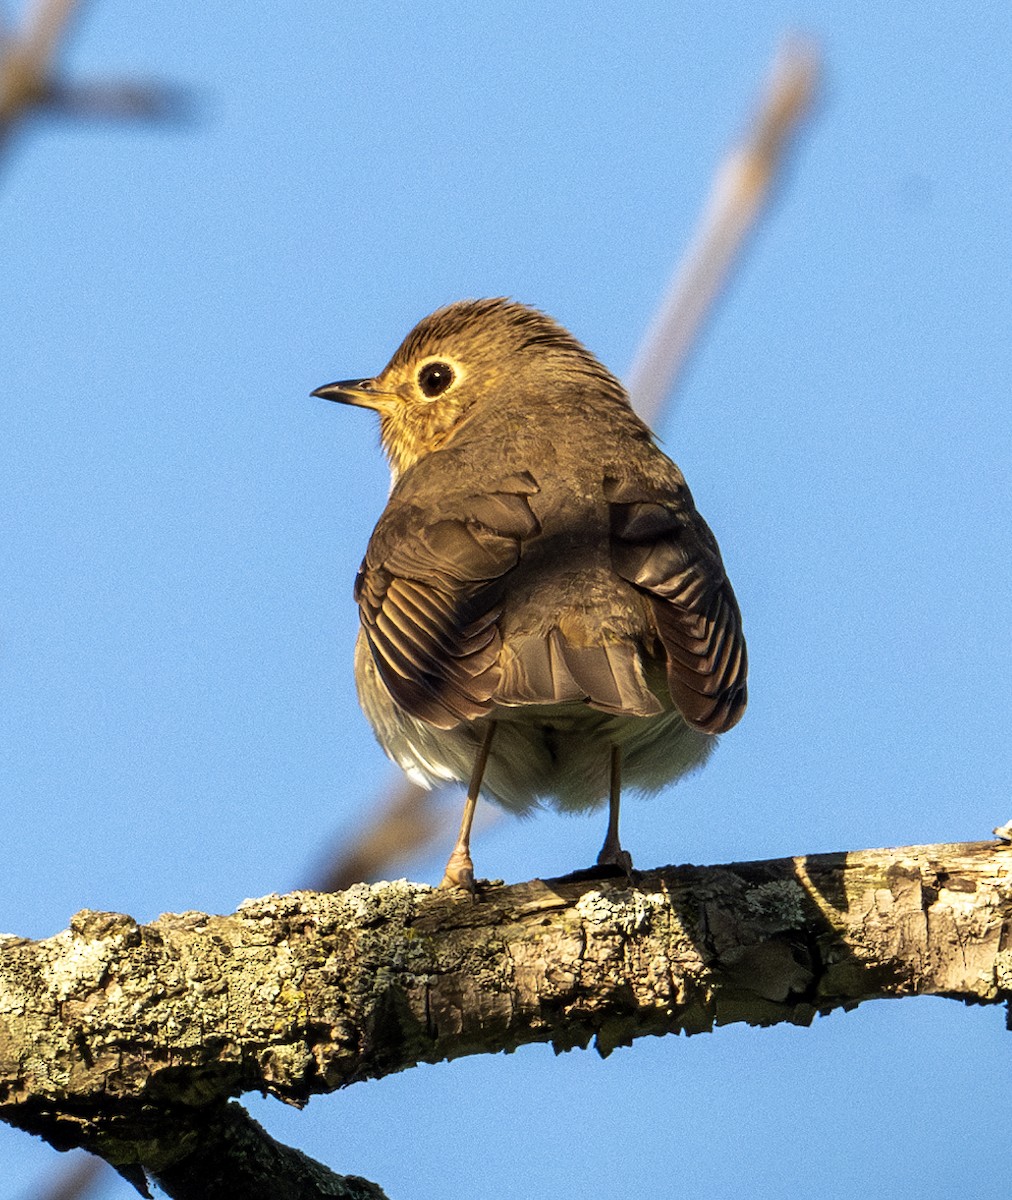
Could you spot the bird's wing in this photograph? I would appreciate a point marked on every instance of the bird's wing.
(430, 593)
(662, 546)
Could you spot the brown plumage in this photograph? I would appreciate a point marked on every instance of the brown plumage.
(541, 604)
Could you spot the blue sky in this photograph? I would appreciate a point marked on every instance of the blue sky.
(182, 524)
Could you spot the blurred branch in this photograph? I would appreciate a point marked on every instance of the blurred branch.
(122, 101)
(742, 185)
(28, 85)
(26, 61)
(45, 25)
(131, 1039)
(72, 1180)
(409, 819)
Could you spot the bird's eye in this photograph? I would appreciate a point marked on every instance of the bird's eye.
(434, 378)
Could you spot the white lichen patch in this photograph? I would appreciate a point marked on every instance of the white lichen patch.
(262, 906)
(628, 914)
(79, 966)
(961, 902)
(401, 886)
(12, 999)
(781, 901)
(362, 903)
(1003, 970)
(366, 902)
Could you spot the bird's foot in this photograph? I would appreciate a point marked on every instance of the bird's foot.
(612, 855)
(459, 873)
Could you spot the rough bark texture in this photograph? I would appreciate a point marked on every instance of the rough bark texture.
(234, 1157)
(129, 1039)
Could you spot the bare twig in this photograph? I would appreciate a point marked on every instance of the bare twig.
(119, 101)
(46, 25)
(740, 189)
(73, 1180)
(26, 61)
(408, 820)
(28, 84)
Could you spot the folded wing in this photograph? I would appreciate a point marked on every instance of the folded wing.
(430, 593)
(662, 546)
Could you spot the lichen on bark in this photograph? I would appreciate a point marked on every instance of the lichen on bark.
(124, 1038)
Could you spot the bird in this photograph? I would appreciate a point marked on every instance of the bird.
(543, 612)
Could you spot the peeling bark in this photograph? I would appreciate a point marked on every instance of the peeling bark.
(129, 1039)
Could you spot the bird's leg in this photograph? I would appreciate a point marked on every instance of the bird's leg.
(612, 853)
(460, 869)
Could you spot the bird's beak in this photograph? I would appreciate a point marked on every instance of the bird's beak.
(361, 392)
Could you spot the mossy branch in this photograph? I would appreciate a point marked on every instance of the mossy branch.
(130, 1039)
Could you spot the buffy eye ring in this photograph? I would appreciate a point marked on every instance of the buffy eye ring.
(434, 378)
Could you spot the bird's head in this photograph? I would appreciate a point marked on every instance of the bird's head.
(461, 358)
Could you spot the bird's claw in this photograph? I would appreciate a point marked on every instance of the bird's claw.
(615, 856)
(459, 873)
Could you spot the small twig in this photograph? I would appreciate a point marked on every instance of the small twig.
(46, 24)
(27, 59)
(123, 101)
(74, 1179)
(407, 820)
(740, 189)
(28, 85)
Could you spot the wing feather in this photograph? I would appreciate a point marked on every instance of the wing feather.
(430, 594)
(661, 545)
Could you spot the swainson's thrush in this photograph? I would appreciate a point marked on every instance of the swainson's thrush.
(543, 611)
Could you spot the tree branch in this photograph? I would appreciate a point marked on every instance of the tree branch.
(127, 1039)
(740, 191)
(231, 1155)
(28, 82)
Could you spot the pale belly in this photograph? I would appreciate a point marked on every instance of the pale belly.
(555, 754)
